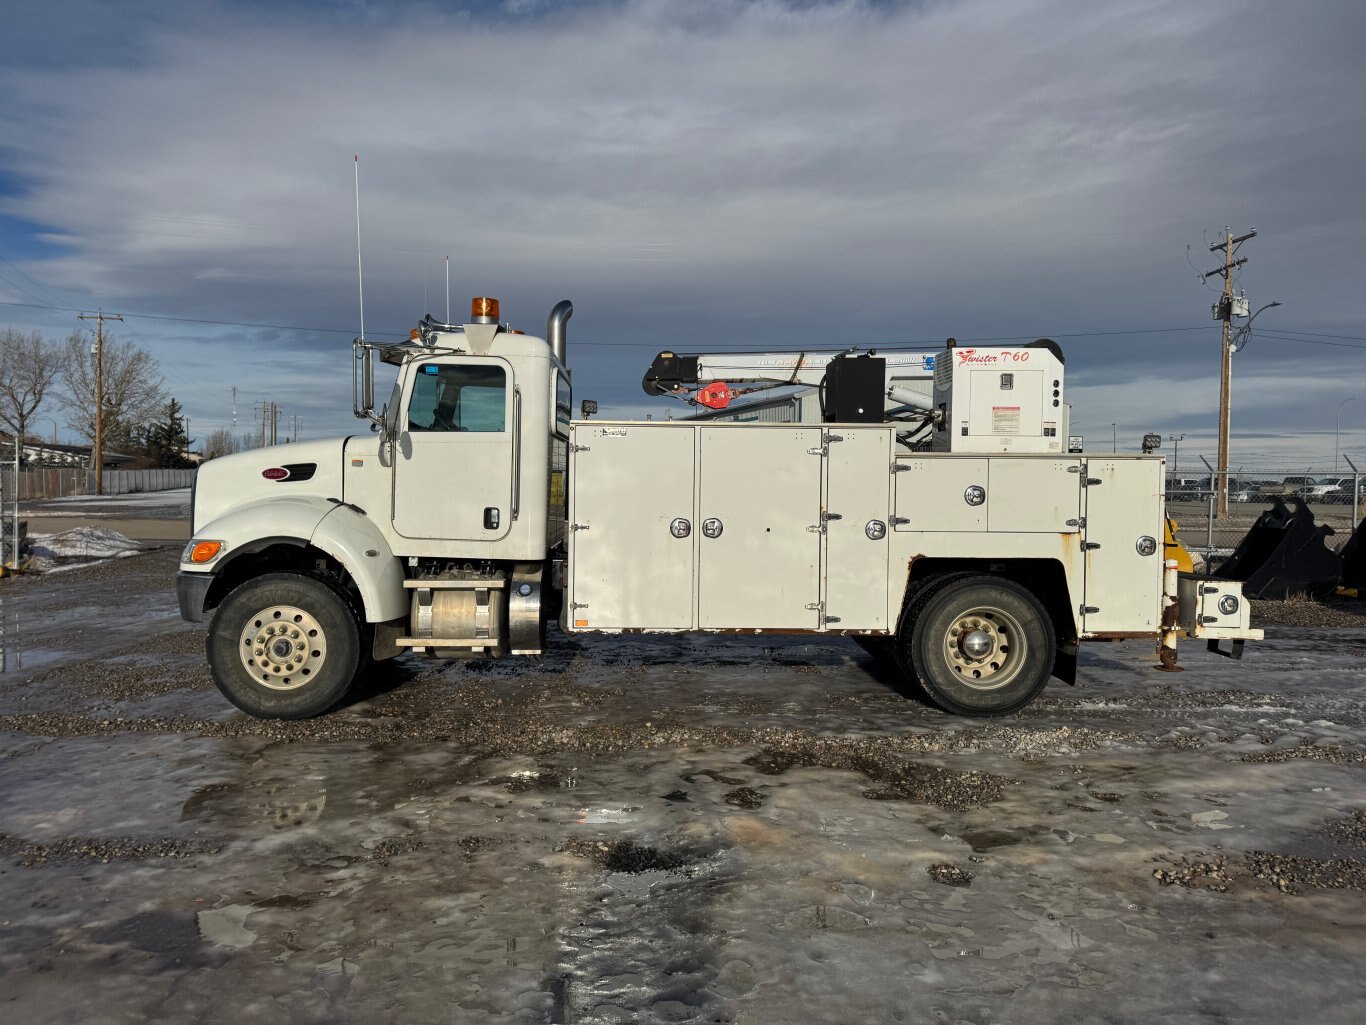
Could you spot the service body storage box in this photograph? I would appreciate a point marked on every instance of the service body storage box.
(688, 525)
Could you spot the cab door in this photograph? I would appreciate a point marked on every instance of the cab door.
(453, 470)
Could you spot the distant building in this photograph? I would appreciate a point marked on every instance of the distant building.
(39, 454)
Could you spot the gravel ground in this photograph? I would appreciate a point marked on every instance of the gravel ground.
(672, 829)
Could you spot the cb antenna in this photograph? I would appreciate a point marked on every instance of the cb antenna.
(360, 275)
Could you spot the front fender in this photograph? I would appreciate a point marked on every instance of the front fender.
(342, 532)
(248, 527)
(349, 536)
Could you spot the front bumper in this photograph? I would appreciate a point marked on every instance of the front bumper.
(190, 590)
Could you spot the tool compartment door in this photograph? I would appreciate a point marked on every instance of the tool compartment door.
(1123, 503)
(626, 568)
(858, 492)
(762, 487)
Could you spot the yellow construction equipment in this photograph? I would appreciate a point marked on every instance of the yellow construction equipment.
(1175, 549)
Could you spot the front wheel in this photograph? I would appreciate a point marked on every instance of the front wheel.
(284, 646)
(981, 646)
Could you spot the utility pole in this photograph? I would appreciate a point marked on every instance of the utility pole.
(274, 424)
(234, 410)
(1225, 311)
(97, 454)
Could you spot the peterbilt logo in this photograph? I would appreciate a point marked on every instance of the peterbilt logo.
(275, 473)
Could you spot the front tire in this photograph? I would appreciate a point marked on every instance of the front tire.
(980, 646)
(284, 646)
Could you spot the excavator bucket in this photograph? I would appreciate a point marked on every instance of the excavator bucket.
(1354, 560)
(1284, 554)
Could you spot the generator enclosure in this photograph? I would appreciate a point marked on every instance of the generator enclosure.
(1000, 400)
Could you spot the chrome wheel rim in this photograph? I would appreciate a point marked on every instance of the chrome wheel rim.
(985, 647)
(282, 647)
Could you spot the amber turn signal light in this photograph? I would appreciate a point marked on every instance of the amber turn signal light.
(205, 551)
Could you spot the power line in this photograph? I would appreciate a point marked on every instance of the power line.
(1282, 337)
(27, 277)
(197, 320)
(655, 345)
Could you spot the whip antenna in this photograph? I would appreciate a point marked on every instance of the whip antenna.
(360, 276)
(448, 290)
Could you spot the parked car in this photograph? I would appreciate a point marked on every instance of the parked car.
(1188, 489)
(1341, 490)
(1307, 488)
(1243, 491)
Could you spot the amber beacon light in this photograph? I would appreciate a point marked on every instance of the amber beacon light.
(483, 306)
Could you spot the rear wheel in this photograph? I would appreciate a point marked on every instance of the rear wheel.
(979, 646)
(284, 646)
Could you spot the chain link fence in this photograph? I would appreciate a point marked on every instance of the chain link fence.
(9, 508)
(66, 482)
(1337, 499)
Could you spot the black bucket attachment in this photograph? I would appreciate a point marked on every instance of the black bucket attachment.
(1284, 554)
(1354, 559)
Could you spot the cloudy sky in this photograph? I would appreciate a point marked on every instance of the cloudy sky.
(701, 175)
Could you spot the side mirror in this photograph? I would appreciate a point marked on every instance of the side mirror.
(587, 408)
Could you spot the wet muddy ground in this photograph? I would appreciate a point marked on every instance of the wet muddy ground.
(660, 829)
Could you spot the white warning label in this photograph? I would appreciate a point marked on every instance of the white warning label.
(1005, 419)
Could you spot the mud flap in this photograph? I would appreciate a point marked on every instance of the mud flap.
(1065, 663)
(1284, 554)
(1235, 649)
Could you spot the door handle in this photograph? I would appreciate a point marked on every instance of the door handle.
(712, 527)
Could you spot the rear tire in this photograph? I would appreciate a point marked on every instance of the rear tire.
(979, 646)
(284, 646)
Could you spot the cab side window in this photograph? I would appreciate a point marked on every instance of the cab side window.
(459, 398)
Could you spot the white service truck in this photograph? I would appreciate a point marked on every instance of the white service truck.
(953, 533)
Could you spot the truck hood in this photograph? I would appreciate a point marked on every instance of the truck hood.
(304, 469)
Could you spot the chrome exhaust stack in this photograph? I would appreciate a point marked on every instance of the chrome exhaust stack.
(554, 330)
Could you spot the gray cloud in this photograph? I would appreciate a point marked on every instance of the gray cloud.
(720, 173)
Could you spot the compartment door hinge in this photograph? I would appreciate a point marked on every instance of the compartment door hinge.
(818, 607)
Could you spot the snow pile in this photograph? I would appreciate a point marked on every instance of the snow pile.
(78, 547)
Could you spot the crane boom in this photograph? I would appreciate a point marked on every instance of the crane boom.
(676, 373)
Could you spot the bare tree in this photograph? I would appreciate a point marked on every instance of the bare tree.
(219, 443)
(28, 366)
(132, 389)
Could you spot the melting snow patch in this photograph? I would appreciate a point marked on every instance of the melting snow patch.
(78, 547)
